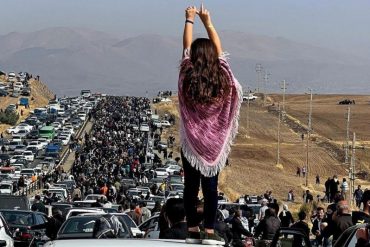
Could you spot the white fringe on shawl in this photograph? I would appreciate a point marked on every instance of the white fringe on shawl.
(195, 160)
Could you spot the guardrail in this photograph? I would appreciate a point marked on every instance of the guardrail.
(37, 185)
(32, 187)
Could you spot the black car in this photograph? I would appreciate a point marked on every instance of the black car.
(3, 93)
(4, 158)
(26, 91)
(20, 221)
(290, 237)
(34, 134)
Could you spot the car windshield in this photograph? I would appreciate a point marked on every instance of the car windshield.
(18, 218)
(4, 186)
(79, 225)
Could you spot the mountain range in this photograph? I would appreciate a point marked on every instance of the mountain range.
(71, 59)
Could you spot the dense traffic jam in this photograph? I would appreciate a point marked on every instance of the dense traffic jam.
(122, 176)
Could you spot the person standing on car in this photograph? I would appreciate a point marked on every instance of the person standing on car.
(209, 100)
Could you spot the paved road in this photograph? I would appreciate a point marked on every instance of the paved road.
(71, 156)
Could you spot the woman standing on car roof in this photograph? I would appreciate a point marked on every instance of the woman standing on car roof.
(209, 101)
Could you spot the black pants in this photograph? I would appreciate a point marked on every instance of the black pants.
(193, 179)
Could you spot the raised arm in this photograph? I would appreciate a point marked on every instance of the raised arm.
(190, 13)
(212, 34)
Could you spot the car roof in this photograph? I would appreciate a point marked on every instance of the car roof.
(120, 242)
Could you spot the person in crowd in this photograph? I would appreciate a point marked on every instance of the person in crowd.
(360, 217)
(267, 227)
(308, 197)
(358, 196)
(53, 224)
(145, 212)
(344, 187)
(291, 196)
(38, 205)
(327, 189)
(286, 217)
(342, 219)
(274, 204)
(334, 183)
(238, 230)
(263, 208)
(175, 215)
(134, 214)
(302, 226)
(317, 229)
(207, 88)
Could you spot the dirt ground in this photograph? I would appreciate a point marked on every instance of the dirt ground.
(253, 159)
(40, 96)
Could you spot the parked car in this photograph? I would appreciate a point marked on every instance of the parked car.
(165, 123)
(5, 233)
(150, 227)
(348, 237)
(19, 222)
(94, 226)
(26, 91)
(144, 127)
(161, 172)
(3, 93)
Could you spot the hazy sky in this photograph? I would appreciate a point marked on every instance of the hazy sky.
(338, 24)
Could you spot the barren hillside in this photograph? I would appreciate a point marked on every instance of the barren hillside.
(40, 96)
(253, 168)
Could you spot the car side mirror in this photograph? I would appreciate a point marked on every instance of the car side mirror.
(2, 243)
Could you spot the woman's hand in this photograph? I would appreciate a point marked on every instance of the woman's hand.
(204, 15)
(190, 13)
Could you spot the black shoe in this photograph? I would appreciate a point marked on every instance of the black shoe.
(194, 237)
(212, 239)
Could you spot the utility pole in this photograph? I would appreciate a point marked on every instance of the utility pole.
(284, 87)
(352, 170)
(266, 78)
(248, 108)
(346, 159)
(309, 129)
(259, 70)
(278, 142)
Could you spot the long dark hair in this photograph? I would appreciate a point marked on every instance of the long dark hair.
(205, 81)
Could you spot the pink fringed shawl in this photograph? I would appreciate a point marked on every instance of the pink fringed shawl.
(207, 131)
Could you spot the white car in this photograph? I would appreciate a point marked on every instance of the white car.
(56, 125)
(5, 233)
(6, 187)
(249, 97)
(14, 158)
(26, 126)
(172, 168)
(29, 155)
(64, 139)
(36, 144)
(144, 127)
(20, 134)
(43, 141)
(161, 172)
(165, 123)
(82, 116)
